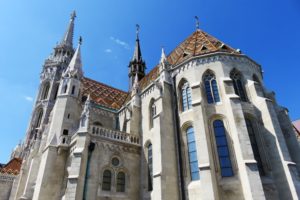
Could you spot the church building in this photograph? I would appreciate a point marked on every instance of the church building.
(200, 125)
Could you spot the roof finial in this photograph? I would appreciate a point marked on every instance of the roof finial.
(137, 31)
(80, 40)
(73, 15)
(197, 22)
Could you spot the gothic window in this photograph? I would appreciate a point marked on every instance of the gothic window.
(150, 168)
(121, 182)
(192, 150)
(254, 146)
(106, 181)
(45, 91)
(222, 149)
(211, 88)
(238, 84)
(186, 98)
(39, 118)
(73, 89)
(65, 88)
(152, 112)
(56, 92)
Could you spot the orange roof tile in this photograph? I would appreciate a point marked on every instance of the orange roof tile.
(12, 167)
(198, 43)
(103, 94)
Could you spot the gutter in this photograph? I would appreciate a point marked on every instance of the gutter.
(87, 172)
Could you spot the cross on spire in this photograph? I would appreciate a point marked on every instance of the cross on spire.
(73, 15)
(197, 22)
(137, 31)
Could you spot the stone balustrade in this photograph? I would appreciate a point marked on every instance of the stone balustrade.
(115, 135)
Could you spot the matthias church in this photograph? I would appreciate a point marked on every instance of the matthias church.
(200, 125)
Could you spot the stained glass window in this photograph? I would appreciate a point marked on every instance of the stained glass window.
(211, 88)
(193, 161)
(222, 149)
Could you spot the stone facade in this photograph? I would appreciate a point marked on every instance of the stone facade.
(200, 125)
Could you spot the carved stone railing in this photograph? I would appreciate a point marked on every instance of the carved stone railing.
(115, 135)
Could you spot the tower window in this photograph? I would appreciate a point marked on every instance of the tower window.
(65, 132)
(254, 146)
(238, 85)
(186, 98)
(45, 91)
(65, 88)
(121, 182)
(56, 92)
(222, 149)
(150, 168)
(152, 112)
(211, 88)
(192, 150)
(73, 89)
(39, 118)
(106, 181)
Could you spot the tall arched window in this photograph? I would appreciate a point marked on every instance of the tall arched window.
(45, 91)
(238, 84)
(121, 182)
(106, 181)
(150, 168)
(222, 149)
(186, 97)
(152, 112)
(39, 118)
(192, 150)
(211, 87)
(254, 146)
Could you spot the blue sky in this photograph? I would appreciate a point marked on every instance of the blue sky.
(267, 31)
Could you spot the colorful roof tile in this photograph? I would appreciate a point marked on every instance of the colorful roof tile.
(12, 167)
(103, 94)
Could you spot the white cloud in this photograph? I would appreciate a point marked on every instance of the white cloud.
(28, 98)
(120, 42)
(107, 50)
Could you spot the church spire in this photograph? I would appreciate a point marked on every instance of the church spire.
(68, 37)
(137, 65)
(137, 55)
(75, 67)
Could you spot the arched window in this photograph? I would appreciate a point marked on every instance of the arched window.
(45, 91)
(39, 118)
(192, 150)
(254, 146)
(186, 98)
(121, 182)
(222, 149)
(211, 88)
(106, 181)
(150, 168)
(238, 84)
(152, 112)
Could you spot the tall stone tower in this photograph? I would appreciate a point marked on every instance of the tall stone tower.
(48, 94)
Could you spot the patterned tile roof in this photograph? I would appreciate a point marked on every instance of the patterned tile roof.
(104, 95)
(12, 167)
(198, 43)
